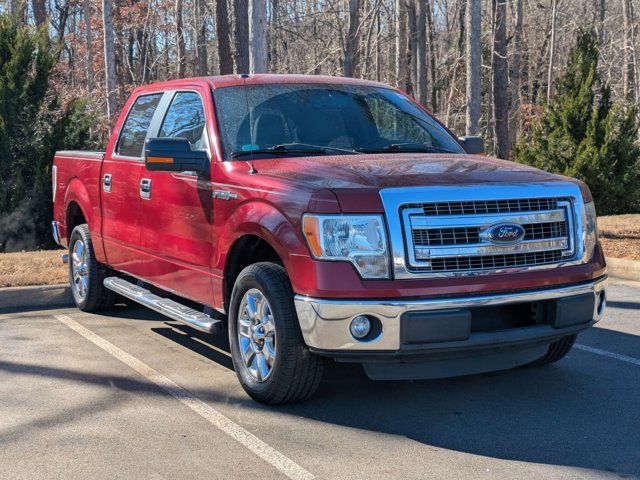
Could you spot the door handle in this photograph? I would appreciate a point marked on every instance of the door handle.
(145, 188)
(106, 182)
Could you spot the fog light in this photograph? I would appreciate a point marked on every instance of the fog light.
(360, 327)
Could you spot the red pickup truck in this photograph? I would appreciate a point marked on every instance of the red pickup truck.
(318, 217)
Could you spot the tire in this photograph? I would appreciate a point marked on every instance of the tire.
(86, 274)
(557, 350)
(293, 373)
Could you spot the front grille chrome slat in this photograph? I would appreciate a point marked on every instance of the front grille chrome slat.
(454, 236)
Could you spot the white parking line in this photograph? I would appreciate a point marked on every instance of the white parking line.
(235, 431)
(605, 353)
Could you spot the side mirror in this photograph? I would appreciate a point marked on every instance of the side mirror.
(473, 145)
(173, 155)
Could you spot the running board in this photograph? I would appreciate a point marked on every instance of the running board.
(170, 308)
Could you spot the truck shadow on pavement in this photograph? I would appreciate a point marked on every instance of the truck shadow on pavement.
(582, 412)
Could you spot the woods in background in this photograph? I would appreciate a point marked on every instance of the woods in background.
(485, 67)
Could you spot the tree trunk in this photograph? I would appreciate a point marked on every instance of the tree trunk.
(88, 35)
(109, 59)
(432, 58)
(629, 77)
(18, 8)
(351, 45)
(474, 67)
(201, 38)
(241, 35)
(224, 41)
(258, 36)
(421, 53)
(39, 12)
(500, 79)
(180, 39)
(413, 48)
(552, 47)
(401, 44)
(516, 100)
(600, 8)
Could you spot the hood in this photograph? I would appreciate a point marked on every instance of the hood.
(398, 170)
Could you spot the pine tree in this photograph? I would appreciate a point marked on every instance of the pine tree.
(33, 125)
(584, 134)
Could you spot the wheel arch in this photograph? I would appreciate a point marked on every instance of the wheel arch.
(246, 250)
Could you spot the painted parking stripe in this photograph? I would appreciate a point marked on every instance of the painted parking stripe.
(605, 353)
(284, 464)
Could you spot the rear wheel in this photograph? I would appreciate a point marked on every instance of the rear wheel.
(86, 274)
(269, 356)
(556, 351)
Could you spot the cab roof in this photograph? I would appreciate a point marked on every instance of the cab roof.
(258, 79)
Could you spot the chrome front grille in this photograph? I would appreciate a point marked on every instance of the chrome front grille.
(455, 236)
(447, 230)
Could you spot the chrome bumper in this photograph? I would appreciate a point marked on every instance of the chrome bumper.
(325, 323)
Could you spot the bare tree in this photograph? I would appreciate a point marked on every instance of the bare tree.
(474, 66)
(599, 9)
(88, 35)
(224, 41)
(421, 54)
(109, 58)
(241, 34)
(39, 12)
(516, 100)
(629, 76)
(401, 43)
(180, 39)
(351, 44)
(500, 79)
(433, 67)
(552, 47)
(258, 36)
(201, 37)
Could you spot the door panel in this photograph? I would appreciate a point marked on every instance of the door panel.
(176, 219)
(121, 199)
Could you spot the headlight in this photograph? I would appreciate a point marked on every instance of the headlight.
(590, 230)
(359, 239)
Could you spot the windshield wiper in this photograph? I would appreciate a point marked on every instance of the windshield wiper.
(292, 149)
(406, 147)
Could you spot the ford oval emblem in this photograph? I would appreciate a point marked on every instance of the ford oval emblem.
(505, 233)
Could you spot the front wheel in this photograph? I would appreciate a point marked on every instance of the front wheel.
(86, 274)
(269, 356)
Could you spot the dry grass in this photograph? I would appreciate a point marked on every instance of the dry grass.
(620, 236)
(32, 268)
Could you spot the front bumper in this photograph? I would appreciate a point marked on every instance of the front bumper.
(325, 323)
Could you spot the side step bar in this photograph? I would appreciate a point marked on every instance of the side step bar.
(170, 308)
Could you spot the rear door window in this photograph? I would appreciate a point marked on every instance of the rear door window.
(134, 130)
(185, 119)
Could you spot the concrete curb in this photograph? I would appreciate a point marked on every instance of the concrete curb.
(623, 268)
(37, 297)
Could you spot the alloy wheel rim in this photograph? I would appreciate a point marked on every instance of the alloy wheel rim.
(257, 335)
(79, 269)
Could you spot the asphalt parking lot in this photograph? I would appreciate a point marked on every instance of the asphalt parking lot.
(129, 394)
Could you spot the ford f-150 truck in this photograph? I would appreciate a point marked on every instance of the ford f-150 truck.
(327, 218)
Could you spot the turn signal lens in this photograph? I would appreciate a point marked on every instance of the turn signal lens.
(312, 234)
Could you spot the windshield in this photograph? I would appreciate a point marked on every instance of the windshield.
(318, 119)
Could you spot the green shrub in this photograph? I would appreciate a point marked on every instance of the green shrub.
(33, 125)
(583, 134)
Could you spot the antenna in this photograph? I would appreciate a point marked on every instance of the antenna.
(252, 168)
